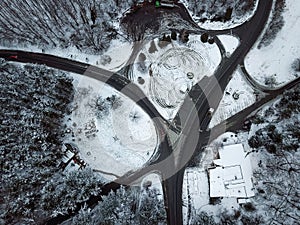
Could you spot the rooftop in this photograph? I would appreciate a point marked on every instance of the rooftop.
(231, 176)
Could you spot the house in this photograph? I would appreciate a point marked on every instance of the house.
(70, 151)
(231, 175)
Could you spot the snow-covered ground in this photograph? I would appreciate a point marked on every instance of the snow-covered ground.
(154, 181)
(195, 185)
(276, 59)
(166, 78)
(118, 53)
(120, 141)
(237, 96)
(227, 25)
(230, 43)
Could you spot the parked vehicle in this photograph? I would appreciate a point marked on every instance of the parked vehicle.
(169, 4)
(71, 147)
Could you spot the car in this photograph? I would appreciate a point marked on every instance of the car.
(205, 122)
(211, 111)
(13, 57)
(247, 124)
(72, 147)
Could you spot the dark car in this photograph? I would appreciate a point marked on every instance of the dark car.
(72, 147)
(247, 125)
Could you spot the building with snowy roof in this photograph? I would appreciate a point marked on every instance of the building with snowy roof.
(231, 175)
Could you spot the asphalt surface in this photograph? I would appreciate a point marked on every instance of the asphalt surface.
(170, 162)
(207, 95)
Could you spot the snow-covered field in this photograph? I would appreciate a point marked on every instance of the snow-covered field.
(237, 96)
(119, 52)
(230, 43)
(276, 59)
(122, 140)
(166, 78)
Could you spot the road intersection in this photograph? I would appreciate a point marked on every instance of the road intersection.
(192, 118)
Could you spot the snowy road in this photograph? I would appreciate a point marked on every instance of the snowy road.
(191, 115)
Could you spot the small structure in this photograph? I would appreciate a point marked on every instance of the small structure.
(71, 157)
(190, 75)
(164, 3)
(231, 175)
(68, 156)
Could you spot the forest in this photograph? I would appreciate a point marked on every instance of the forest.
(36, 102)
(88, 25)
(277, 147)
(220, 10)
(131, 205)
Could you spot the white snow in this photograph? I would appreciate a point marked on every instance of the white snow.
(229, 24)
(195, 185)
(115, 143)
(276, 59)
(230, 106)
(119, 51)
(230, 43)
(155, 181)
(166, 81)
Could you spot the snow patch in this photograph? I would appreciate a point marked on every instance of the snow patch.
(276, 59)
(230, 43)
(155, 181)
(237, 96)
(195, 193)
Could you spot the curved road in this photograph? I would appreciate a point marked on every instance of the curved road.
(207, 95)
(192, 116)
(116, 81)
